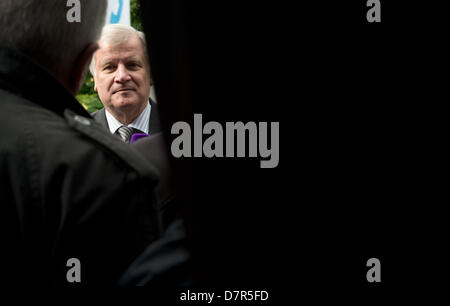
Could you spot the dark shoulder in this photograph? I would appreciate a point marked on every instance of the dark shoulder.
(153, 148)
(102, 140)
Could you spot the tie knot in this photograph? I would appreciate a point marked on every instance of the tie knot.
(125, 133)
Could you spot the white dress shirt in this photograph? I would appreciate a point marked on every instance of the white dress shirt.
(141, 123)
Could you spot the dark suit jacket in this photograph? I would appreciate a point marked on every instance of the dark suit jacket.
(154, 127)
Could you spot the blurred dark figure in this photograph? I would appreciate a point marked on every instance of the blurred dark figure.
(165, 264)
(68, 189)
(153, 148)
(216, 59)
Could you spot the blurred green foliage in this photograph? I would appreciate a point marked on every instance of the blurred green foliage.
(88, 96)
(135, 17)
(90, 102)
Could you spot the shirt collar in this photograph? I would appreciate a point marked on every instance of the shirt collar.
(141, 122)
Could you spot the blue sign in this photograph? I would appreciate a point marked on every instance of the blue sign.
(115, 18)
(118, 11)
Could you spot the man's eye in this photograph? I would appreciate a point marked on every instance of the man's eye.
(133, 65)
(108, 67)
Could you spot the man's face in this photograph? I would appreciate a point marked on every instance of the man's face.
(122, 77)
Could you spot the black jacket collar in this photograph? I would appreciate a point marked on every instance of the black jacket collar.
(23, 76)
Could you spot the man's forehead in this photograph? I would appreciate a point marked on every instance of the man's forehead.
(113, 56)
(129, 48)
(117, 53)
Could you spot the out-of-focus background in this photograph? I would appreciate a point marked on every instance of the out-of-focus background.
(119, 11)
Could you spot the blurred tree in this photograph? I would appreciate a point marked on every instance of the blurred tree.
(135, 12)
(88, 96)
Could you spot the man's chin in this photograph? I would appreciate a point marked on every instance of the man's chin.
(125, 104)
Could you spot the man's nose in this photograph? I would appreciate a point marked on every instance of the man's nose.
(122, 74)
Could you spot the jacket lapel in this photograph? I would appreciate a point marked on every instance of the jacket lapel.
(100, 117)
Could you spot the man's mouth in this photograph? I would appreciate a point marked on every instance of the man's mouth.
(123, 89)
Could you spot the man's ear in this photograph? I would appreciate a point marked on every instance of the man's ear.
(80, 68)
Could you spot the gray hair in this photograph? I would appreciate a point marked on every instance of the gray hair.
(40, 29)
(114, 34)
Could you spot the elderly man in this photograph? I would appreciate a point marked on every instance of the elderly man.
(77, 205)
(122, 79)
